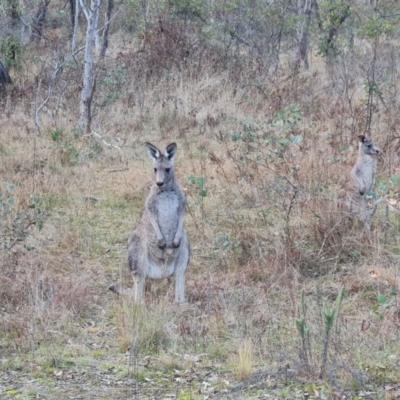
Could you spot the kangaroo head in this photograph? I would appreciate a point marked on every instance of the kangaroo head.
(367, 146)
(163, 163)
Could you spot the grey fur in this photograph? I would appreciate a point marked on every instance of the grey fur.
(356, 197)
(159, 247)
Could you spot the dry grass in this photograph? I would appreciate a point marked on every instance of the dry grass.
(262, 223)
(243, 361)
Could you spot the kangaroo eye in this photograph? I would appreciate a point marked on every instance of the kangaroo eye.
(155, 169)
(167, 170)
(369, 146)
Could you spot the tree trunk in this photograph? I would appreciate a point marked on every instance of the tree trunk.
(88, 75)
(104, 46)
(38, 21)
(303, 26)
(96, 27)
(75, 23)
(72, 5)
(13, 12)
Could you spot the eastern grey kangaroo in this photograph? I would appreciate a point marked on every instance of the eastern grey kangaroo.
(159, 247)
(357, 197)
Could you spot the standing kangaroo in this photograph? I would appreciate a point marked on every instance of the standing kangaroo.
(159, 247)
(357, 196)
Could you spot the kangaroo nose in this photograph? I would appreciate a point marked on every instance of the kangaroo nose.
(159, 184)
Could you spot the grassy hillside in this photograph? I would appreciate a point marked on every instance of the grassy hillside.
(261, 162)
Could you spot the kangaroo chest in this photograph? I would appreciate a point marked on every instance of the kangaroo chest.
(167, 205)
(366, 171)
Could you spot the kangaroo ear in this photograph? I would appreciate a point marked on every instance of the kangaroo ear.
(154, 153)
(170, 151)
(362, 138)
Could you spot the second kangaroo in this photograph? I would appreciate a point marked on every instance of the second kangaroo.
(357, 197)
(159, 247)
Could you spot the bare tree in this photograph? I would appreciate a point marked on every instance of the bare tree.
(38, 21)
(91, 15)
(53, 82)
(75, 20)
(304, 8)
(96, 26)
(110, 6)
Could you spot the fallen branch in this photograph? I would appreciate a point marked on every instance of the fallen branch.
(92, 198)
(110, 145)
